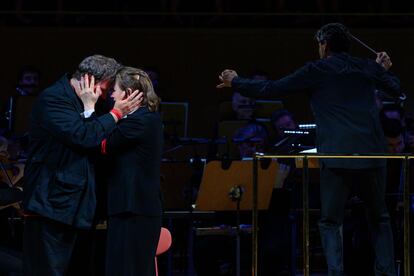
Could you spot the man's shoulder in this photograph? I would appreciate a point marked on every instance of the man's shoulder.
(342, 62)
(55, 90)
(347, 58)
(56, 96)
(316, 66)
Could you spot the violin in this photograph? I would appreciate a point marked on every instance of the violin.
(11, 172)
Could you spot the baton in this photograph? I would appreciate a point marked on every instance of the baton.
(363, 44)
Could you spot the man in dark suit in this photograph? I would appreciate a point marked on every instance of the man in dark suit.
(59, 189)
(341, 88)
(134, 196)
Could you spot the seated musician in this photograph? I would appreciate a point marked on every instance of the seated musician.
(10, 236)
(11, 172)
(251, 138)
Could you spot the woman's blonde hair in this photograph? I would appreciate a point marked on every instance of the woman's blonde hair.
(137, 79)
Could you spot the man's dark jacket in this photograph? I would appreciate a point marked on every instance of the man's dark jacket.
(59, 177)
(134, 149)
(341, 90)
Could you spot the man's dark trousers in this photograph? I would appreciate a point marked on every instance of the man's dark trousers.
(50, 254)
(369, 185)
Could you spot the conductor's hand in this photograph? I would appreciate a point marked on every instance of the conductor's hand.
(384, 60)
(129, 103)
(226, 78)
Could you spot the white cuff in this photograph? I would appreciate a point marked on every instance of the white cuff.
(88, 113)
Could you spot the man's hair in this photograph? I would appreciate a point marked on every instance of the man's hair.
(137, 79)
(101, 67)
(336, 35)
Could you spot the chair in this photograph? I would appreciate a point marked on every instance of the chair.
(228, 129)
(163, 245)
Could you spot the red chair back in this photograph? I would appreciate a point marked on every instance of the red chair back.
(165, 241)
(163, 244)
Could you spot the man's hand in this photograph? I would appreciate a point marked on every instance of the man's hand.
(87, 92)
(384, 60)
(130, 103)
(226, 78)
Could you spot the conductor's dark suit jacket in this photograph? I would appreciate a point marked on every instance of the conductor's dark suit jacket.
(341, 90)
(59, 177)
(134, 149)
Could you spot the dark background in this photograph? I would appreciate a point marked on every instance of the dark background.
(190, 42)
(191, 47)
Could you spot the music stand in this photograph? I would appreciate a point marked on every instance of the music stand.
(175, 118)
(176, 185)
(231, 190)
